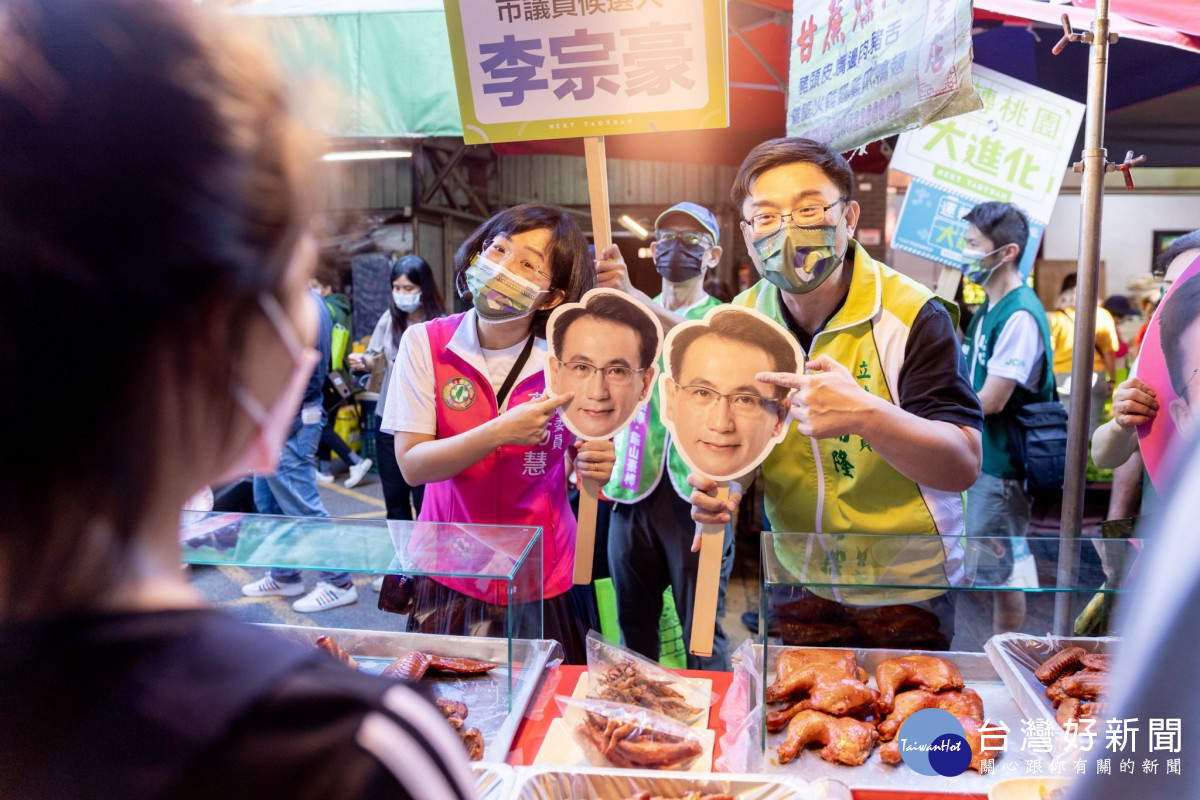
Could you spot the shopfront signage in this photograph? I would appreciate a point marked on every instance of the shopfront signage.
(865, 69)
(552, 69)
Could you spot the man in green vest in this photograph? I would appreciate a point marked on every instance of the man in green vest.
(650, 531)
(1012, 365)
(885, 432)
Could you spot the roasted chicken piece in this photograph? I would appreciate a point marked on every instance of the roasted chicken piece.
(1064, 661)
(928, 672)
(473, 740)
(453, 710)
(818, 634)
(688, 796)
(889, 752)
(800, 670)
(1101, 662)
(840, 697)
(963, 703)
(624, 682)
(630, 746)
(455, 713)
(845, 740)
(972, 730)
(330, 646)
(414, 665)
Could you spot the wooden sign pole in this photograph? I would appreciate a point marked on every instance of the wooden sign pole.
(947, 285)
(589, 490)
(708, 582)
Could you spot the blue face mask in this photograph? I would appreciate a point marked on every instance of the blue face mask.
(797, 260)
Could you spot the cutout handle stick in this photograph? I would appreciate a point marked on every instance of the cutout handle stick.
(589, 490)
(708, 582)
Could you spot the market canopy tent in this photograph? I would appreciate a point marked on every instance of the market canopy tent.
(388, 64)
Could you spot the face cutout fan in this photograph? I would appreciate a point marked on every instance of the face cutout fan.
(723, 422)
(605, 349)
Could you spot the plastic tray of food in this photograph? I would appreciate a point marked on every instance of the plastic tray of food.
(586, 783)
(1017, 656)
(493, 781)
(486, 696)
(977, 673)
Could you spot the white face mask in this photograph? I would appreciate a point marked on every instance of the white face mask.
(406, 302)
(261, 455)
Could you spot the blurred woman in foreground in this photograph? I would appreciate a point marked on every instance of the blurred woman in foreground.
(149, 190)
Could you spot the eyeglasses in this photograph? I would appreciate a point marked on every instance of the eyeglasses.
(742, 404)
(769, 221)
(581, 371)
(502, 252)
(1188, 382)
(687, 237)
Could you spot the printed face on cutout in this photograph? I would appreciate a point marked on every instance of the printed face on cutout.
(598, 351)
(723, 421)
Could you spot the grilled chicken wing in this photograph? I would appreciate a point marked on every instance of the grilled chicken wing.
(928, 672)
(1061, 662)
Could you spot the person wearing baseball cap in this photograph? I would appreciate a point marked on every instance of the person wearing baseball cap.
(651, 529)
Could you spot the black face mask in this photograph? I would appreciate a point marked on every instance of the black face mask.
(678, 261)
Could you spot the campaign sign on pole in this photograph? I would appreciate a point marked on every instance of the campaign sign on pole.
(1015, 149)
(931, 226)
(865, 69)
(553, 69)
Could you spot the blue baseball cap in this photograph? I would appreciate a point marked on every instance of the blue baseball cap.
(699, 213)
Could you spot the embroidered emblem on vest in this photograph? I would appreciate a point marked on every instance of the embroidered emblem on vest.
(458, 393)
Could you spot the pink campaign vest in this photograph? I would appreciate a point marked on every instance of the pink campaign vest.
(513, 485)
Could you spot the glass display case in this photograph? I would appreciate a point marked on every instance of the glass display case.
(494, 613)
(925, 592)
(884, 597)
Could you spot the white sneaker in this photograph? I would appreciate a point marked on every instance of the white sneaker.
(358, 472)
(269, 587)
(324, 597)
(377, 584)
(324, 478)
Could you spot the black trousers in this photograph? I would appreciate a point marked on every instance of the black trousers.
(330, 441)
(649, 550)
(400, 498)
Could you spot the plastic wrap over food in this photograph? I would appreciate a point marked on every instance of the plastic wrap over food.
(1017, 657)
(470, 678)
(740, 745)
(493, 781)
(630, 737)
(587, 783)
(623, 676)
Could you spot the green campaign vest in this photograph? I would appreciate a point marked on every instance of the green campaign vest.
(641, 445)
(841, 486)
(987, 325)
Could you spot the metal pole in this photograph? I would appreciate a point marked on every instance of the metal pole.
(1094, 163)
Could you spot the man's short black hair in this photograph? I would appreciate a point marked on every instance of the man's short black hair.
(745, 329)
(1003, 223)
(1179, 312)
(617, 309)
(1189, 241)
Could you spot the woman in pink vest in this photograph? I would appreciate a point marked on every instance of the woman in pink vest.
(473, 422)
